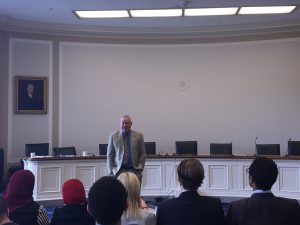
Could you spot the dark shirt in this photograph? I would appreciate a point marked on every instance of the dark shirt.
(264, 209)
(190, 208)
(72, 215)
(27, 215)
(9, 223)
(30, 103)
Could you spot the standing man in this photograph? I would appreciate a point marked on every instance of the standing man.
(126, 150)
(263, 208)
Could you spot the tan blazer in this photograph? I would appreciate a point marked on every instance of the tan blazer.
(115, 151)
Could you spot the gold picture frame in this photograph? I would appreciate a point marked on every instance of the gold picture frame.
(31, 95)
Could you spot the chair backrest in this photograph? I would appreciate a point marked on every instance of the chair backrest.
(103, 149)
(293, 147)
(268, 149)
(186, 147)
(221, 148)
(61, 151)
(41, 149)
(1, 165)
(150, 148)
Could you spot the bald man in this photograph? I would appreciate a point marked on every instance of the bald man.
(126, 150)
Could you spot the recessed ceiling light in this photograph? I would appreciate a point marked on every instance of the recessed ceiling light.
(266, 10)
(156, 13)
(102, 14)
(210, 11)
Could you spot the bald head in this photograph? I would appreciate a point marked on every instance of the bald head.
(125, 123)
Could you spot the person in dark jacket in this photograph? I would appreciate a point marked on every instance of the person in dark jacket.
(190, 208)
(74, 212)
(263, 207)
(18, 197)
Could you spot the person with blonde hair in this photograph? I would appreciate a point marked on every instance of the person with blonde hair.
(137, 209)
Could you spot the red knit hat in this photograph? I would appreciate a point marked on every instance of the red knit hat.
(73, 192)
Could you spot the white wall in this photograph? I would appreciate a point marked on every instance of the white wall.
(28, 58)
(234, 92)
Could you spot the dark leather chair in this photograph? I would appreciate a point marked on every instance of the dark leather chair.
(62, 151)
(186, 147)
(294, 148)
(221, 148)
(267, 149)
(40, 149)
(103, 149)
(150, 148)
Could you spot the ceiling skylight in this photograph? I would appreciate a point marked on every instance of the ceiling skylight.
(85, 14)
(156, 13)
(210, 11)
(266, 10)
(102, 14)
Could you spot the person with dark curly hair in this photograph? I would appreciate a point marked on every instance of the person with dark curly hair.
(107, 200)
(263, 207)
(190, 207)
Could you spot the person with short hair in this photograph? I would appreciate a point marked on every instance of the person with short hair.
(126, 150)
(136, 209)
(18, 197)
(74, 212)
(107, 200)
(4, 219)
(190, 207)
(263, 207)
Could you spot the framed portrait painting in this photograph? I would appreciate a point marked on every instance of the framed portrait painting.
(31, 94)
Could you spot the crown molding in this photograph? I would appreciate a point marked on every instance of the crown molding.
(159, 35)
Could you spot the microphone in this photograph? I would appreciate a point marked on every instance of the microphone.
(287, 151)
(255, 146)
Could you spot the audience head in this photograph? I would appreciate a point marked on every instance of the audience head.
(19, 189)
(190, 174)
(262, 173)
(73, 192)
(107, 199)
(125, 123)
(132, 186)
